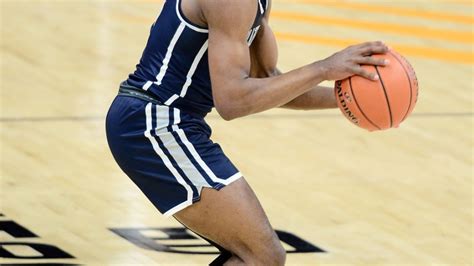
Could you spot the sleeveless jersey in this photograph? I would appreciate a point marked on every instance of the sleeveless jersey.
(174, 66)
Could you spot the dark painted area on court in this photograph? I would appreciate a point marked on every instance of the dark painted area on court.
(47, 251)
(43, 250)
(15, 230)
(170, 238)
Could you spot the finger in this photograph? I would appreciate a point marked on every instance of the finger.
(366, 45)
(364, 73)
(368, 60)
(374, 48)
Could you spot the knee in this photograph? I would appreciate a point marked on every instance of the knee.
(279, 254)
(270, 254)
(276, 255)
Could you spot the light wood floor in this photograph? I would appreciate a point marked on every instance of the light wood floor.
(400, 197)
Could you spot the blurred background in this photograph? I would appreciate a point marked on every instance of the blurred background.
(402, 196)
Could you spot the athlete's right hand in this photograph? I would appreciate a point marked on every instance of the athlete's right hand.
(348, 62)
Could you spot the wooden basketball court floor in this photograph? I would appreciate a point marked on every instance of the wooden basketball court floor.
(399, 197)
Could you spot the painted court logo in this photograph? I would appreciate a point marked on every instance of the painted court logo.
(182, 241)
(344, 98)
(22, 244)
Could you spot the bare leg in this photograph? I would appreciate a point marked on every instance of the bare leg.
(234, 219)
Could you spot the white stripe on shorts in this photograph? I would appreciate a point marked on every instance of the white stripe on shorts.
(173, 147)
(198, 158)
(168, 164)
(162, 119)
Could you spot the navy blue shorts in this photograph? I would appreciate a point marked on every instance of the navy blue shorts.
(167, 153)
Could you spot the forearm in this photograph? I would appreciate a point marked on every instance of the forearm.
(254, 95)
(319, 97)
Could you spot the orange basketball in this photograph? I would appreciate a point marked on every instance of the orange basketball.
(381, 104)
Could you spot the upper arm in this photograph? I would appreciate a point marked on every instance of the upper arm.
(264, 51)
(229, 58)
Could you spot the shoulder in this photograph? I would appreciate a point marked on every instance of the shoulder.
(237, 13)
(269, 9)
(223, 5)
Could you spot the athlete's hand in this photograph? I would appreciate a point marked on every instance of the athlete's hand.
(348, 62)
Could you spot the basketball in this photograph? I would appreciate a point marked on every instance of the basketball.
(381, 104)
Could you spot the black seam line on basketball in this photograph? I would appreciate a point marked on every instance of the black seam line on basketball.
(357, 104)
(386, 96)
(409, 82)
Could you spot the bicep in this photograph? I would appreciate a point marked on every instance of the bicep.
(228, 57)
(264, 53)
(228, 54)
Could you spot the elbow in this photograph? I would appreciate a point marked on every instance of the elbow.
(227, 113)
(233, 102)
(228, 118)
(228, 109)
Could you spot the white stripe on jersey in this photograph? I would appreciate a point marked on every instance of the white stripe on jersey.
(147, 85)
(193, 68)
(166, 61)
(178, 2)
(261, 6)
(172, 99)
(190, 74)
(252, 34)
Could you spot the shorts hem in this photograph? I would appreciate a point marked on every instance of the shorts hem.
(196, 199)
(178, 208)
(188, 203)
(232, 179)
(218, 186)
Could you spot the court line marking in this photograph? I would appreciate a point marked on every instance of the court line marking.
(399, 11)
(419, 51)
(215, 116)
(398, 29)
(379, 9)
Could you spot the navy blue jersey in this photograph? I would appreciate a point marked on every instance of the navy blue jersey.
(174, 66)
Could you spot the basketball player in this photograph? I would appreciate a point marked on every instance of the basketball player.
(203, 54)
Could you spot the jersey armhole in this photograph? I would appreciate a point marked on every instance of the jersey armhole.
(186, 21)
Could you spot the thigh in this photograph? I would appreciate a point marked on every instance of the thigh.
(233, 218)
(166, 153)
